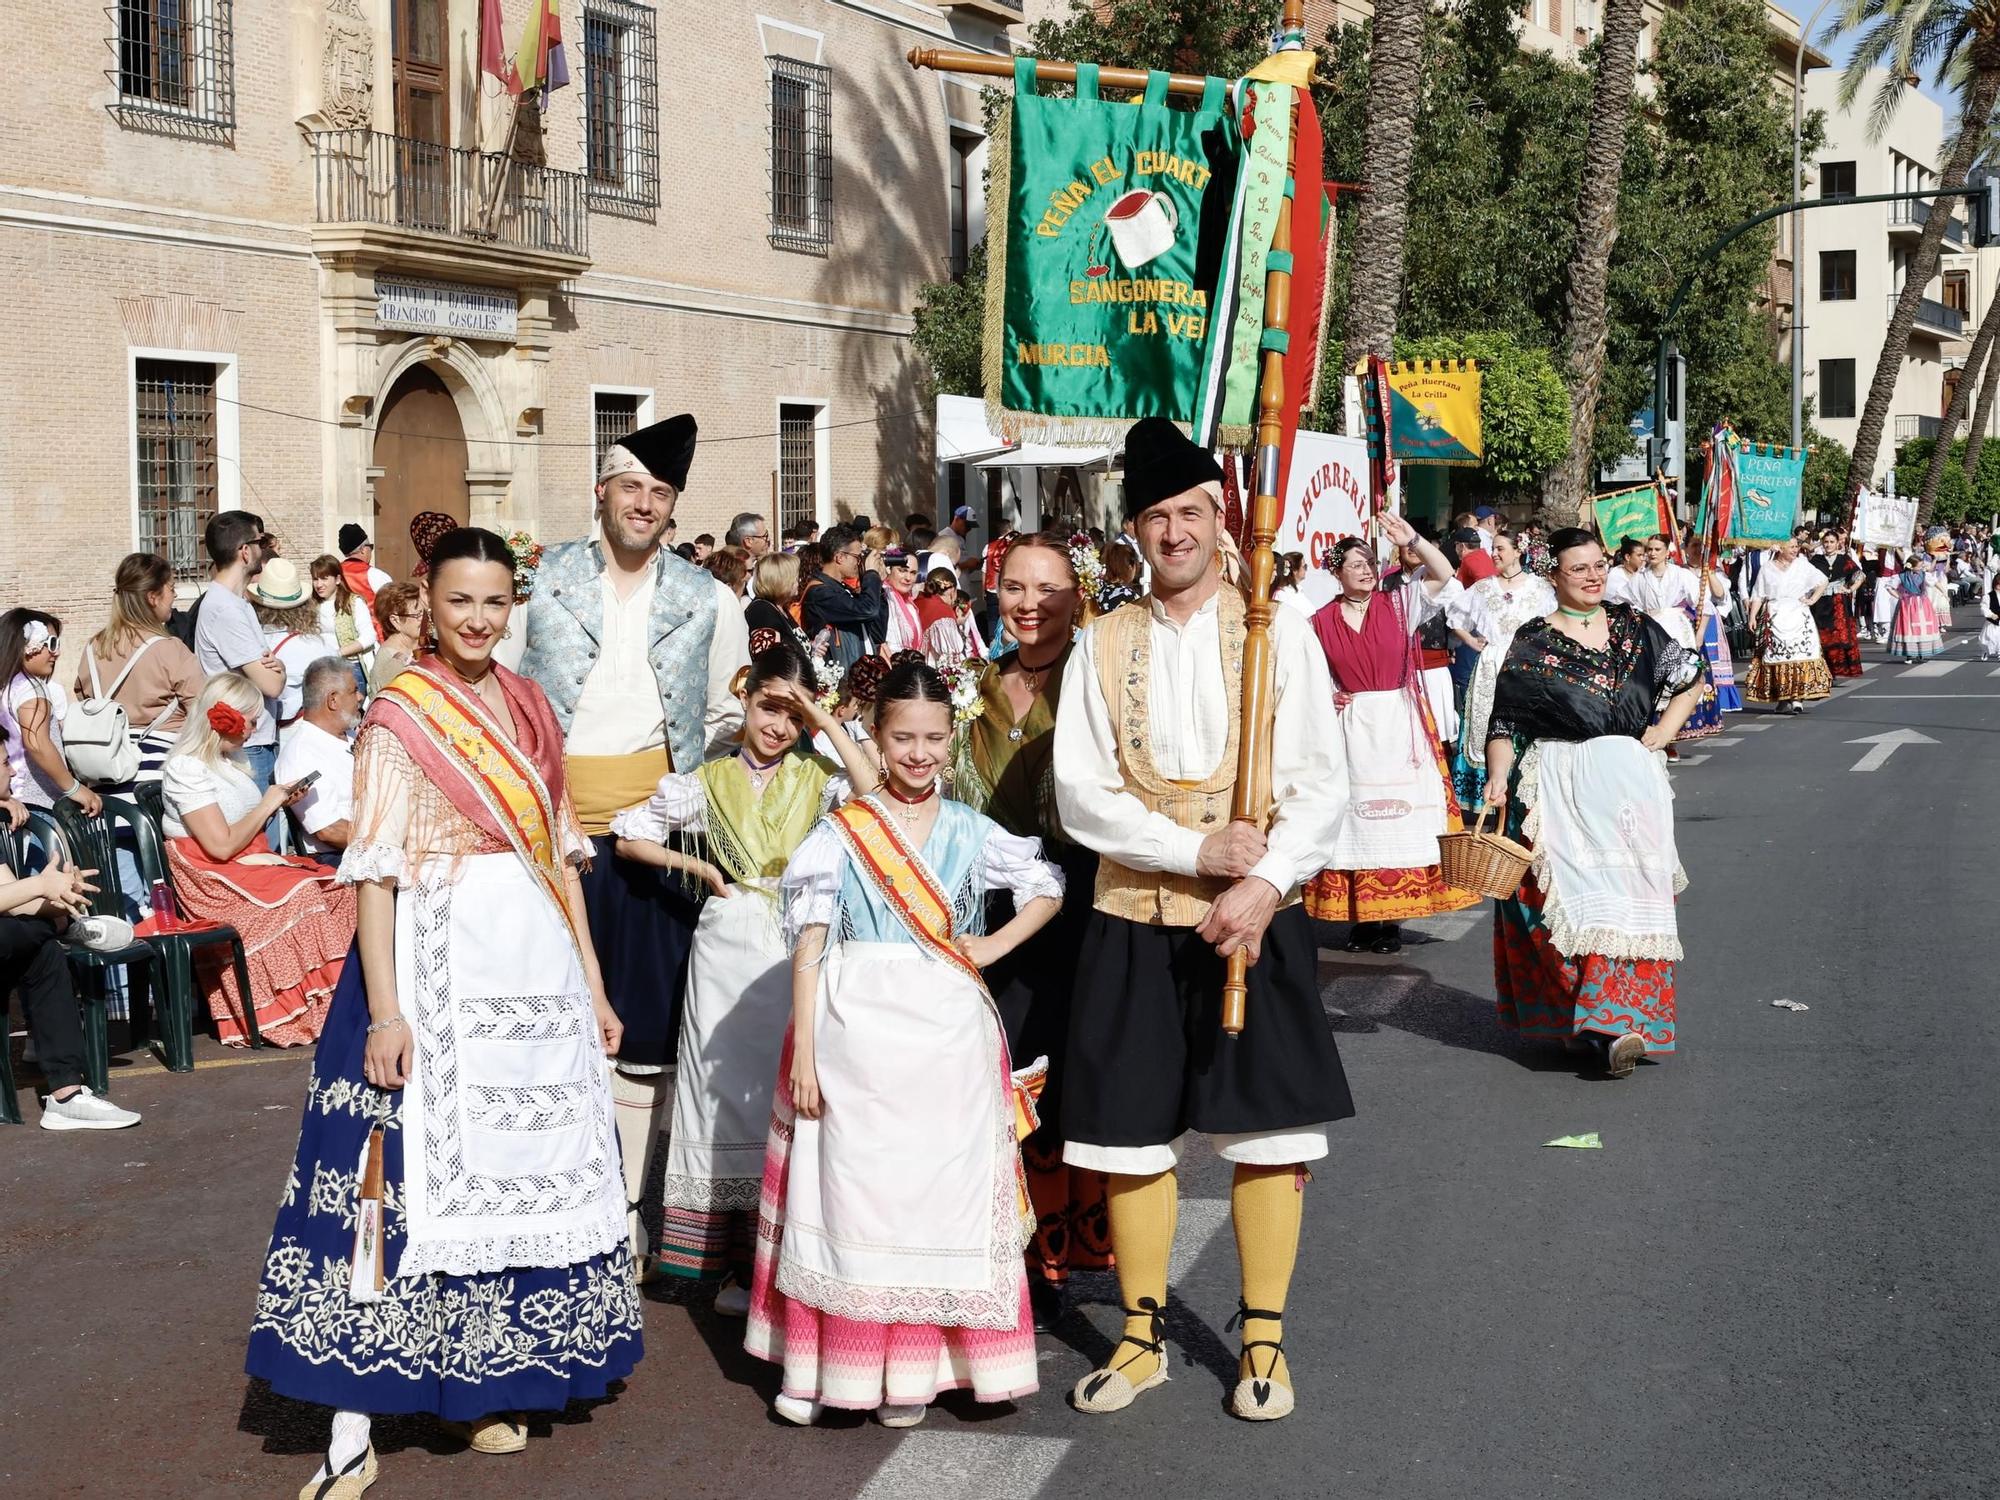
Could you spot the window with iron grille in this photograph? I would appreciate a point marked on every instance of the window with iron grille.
(173, 65)
(798, 458)
(177, 461)
(613, 414)
(621, 112)
(801, 155)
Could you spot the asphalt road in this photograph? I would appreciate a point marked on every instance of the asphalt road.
(1775, 1279)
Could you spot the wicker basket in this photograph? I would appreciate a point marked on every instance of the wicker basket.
(1489, 863)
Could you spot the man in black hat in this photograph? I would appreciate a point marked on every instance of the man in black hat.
(636, 649)
(1145, 766)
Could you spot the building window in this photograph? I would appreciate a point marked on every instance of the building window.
(621, 112)
(1836, 276)
(613, 414)
(1836, 179)
(1836, 388)
(962, 188)
(177, 461)
(1958, 292)
(798, 466)
(801, 155)
(173, 65)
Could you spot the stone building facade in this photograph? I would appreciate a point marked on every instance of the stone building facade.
(299, 256)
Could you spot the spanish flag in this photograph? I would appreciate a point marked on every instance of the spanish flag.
(540, 62)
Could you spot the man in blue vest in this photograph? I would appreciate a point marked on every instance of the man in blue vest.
(636, 649)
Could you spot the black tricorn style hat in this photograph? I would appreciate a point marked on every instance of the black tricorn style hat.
(1161, 462)
(665, 450)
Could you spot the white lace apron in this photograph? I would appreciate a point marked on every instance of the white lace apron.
(1600, 814)
(1395, 808)
(511, 1155)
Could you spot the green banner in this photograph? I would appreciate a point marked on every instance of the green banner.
(1095, 316)
(1769, 480)
(1624, 513)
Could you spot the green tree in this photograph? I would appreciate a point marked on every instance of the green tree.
(1586, 323)
(1824, 492)
(950, 319)
(1957, 498)
(1959, 41)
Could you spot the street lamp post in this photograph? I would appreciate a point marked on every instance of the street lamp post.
(1798, 225)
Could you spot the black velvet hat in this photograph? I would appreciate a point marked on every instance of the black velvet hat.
(1161, 462)
(665, 450)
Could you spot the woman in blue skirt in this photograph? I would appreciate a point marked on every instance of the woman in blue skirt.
(452, 1238)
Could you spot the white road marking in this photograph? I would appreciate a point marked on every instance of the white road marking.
(1201, 1219)
(1994, 673)
(1753, 728)
(1885, 745)
(1937, 668)
(966, 1465)
(1687, 760)
(1719, 741)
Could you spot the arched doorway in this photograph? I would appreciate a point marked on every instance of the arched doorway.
(420, 451)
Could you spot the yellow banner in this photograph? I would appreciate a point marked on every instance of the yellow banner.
(1434, 412)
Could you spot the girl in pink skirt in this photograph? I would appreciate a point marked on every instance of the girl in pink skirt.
(894, 1212)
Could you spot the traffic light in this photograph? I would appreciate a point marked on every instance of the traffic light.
(1986, 213)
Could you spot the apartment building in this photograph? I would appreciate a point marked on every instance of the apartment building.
(301, 257)
(1857, 258)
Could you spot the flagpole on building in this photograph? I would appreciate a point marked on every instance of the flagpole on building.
(1251, 797)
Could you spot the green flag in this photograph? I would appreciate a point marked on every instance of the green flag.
(1623, 513)
(1097, 311)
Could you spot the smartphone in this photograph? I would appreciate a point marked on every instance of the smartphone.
(305, 781)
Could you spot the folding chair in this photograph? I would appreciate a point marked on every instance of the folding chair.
(11, 855)
(175, 1042)
(92, 843)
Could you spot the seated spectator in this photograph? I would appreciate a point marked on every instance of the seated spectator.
(33, 911)
(731, 567)
(290, 619)
(319, 742)
(295, 919)
(399, 610)
(343, 614)
(32, 705)
(138, 664)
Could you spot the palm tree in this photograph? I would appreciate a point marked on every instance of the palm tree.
(1960, 40)
(1981, 411)
(1979, 357)
(1566, 492)
(1395, 90)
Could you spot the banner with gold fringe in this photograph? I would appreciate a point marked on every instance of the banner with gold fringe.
(1102, 257)
(1435, 412)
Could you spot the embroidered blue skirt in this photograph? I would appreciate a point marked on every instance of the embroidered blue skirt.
(459, 1346)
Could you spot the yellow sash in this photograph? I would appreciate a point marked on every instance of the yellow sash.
(505, 779)
(602, 786)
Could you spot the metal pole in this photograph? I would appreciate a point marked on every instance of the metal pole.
(1799, 228)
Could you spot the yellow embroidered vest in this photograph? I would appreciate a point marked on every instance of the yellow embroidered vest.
(1123, 646)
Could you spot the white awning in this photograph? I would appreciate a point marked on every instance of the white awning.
(1046, 456)
(962, 434)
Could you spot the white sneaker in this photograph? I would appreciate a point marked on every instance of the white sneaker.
(732, 1301)
(797, 1410)
(99, 934)
(83, 1110)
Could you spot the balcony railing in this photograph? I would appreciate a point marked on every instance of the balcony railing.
(1908, 428)
(1934, 317)
(1915, 215)
(365, 177)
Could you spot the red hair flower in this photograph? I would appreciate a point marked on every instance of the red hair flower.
(227, 721)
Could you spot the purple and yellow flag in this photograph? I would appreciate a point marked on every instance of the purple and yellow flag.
(540, 63)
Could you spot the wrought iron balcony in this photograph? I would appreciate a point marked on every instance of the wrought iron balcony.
(1909, 218)
(363, 177)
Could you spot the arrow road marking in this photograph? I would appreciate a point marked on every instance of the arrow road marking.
(1886, 745)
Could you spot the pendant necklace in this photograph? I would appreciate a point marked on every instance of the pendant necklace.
(1033, 676)
(758, 774)
(909, 809)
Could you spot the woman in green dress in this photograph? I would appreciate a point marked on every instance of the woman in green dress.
(1004, 767)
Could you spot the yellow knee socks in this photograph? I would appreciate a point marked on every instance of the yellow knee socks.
(1266, 1204)
(1144, 1212)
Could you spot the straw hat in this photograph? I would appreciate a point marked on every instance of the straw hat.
(279, 585)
